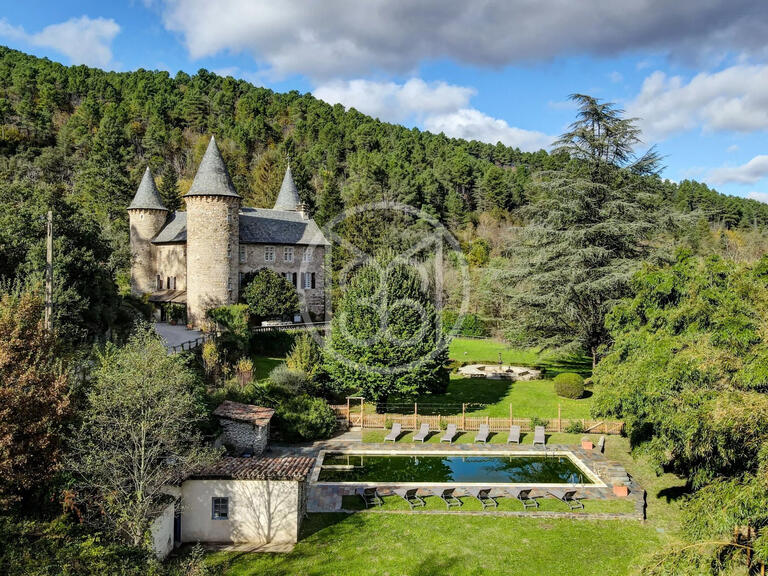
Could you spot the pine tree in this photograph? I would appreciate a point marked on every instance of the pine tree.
(169, 188)
(590, 222)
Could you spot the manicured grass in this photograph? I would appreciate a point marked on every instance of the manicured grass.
(263, 365)
(485, 397)
(419, 545)
(470, 504)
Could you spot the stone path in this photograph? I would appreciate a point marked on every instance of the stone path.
(175, 335)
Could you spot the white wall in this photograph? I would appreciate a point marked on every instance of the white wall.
(162, 532)
(260, 511)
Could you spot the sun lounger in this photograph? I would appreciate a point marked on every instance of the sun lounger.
(514, 435)
(538, 436)
(450, 434)
(422, 433)
(484, 496)
(482, 434)
(370, 497)
(394, 434)
(448, 495)
(567, 496)
(601, 444)
(523, 495)
(410, 495)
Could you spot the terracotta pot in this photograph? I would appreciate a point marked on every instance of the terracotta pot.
(621, 491)
(587, 444)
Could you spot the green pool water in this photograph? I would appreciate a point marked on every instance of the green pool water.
(338, 467)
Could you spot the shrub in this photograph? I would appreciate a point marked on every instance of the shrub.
(569, 385)
(233, 320)
(289, 380)
(471, 325)
(305, 356)
(176, 312)
(575, 427)
(536, 421)
(305, 418)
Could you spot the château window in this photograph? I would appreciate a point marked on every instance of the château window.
(269, 253)
(294, 281)
(307, 280)
(174, 283)
(168, 283)
(229, 251)
(159, 282)
(307, 255)
(313, 279)
(242, 254)
(220, 508)
(229, 283)
(288, 253)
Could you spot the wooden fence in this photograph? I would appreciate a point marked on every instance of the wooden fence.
(463, 422)
(291, 327)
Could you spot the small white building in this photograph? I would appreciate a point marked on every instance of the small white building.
(239, 500)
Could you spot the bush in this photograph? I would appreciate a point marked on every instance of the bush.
(472, 325)
(536, 421)
(305, 418)
(234, 322)
(292, 381)
(569, 385)
(575, 427)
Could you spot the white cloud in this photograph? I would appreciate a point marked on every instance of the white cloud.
(759, 196)
(338, 38)
(393, 102)
(83, 40)
(733, 99)
(472, 124)
(733, 148)
(616, 77)
(438, 106)
(749, 173)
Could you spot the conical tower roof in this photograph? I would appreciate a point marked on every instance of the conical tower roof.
(288, 198)
(147, 197)
(212, 178)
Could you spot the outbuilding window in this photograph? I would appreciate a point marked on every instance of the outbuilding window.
(220, 508)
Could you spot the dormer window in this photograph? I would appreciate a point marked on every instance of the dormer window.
(307, 254)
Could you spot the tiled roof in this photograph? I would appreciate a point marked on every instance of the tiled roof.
(212, 178)
(258, 415)
(147, 196)
(257, 226)
(270, 468)
(263, 226)
(288, 198)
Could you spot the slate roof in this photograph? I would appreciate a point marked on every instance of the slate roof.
(212, 177)
(271, 468)
(258, 415)
(147, 196)
(257, 226)
(288, 198)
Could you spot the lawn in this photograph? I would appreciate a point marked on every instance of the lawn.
(486, 397)
(419, 545)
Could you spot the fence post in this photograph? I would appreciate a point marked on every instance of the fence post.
(510, 415)
(362, 412)
(415, 416)
(349, 420)
(559, 420)
(463, 416)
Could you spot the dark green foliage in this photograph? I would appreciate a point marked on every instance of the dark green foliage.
(304, 418)
(591, 220)
(569, 385)
(169, 188)
(384, 338)
(233, 324)
(685, 370)
(471, 325)
(270, 296)
(575, 427)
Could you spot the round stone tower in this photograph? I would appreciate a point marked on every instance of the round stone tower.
(146, 216)
(213, 237)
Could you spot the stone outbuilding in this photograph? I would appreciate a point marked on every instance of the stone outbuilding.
(245, 427)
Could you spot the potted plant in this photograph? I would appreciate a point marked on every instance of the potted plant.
(244, 370)
(175, 313)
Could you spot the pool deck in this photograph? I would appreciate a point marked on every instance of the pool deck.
(326, 496)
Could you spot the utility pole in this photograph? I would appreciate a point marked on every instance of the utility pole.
(49, 273)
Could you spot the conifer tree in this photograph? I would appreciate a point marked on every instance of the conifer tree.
(169, 188)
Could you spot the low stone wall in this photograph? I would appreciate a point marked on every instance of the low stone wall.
(243, 437)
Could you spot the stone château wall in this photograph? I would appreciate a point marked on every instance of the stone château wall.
(144, 225)
(212, 254)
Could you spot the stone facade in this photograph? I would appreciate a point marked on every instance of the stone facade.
(200, 256)
(212, 247)
(144, 225)
(243, 437)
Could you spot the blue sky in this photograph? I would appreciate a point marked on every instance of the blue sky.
(695, 72)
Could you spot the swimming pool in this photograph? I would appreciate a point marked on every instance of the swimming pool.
(441, 468)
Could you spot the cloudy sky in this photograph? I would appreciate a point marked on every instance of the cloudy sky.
(695, 72)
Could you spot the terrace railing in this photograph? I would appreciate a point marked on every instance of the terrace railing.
(289, 327)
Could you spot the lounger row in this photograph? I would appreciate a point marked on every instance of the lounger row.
(371, 497)
(451, 431)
